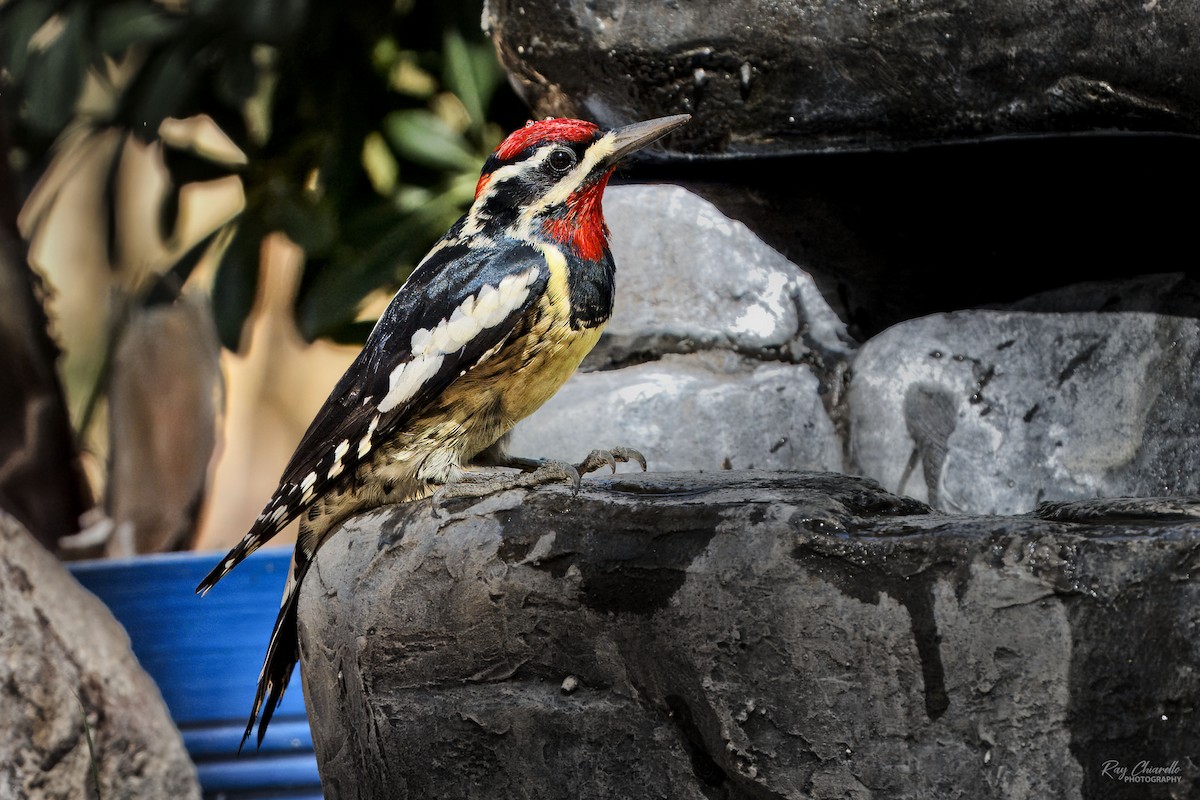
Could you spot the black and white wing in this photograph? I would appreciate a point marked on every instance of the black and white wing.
(458, 305)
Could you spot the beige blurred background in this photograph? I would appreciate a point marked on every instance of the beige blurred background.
(264, 395)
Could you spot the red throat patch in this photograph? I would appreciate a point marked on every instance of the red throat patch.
(581, 229)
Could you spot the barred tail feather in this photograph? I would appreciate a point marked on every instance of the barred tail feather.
(282, 654)
(271, 521)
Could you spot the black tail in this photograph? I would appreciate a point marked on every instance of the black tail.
(262, 530)
(222, 569)
(282, 654)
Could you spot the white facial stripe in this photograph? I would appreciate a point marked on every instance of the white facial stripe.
(473, 225)
(599, 150)
(429, 348)
(519, 168)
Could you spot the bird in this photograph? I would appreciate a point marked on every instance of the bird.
(487, 327)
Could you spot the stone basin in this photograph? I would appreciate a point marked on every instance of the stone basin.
(753, 635)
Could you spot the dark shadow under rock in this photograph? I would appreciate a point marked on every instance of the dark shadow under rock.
(752, 635)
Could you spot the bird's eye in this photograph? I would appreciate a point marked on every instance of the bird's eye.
(561, 159)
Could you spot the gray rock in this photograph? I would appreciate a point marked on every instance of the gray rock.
(690, 278)
(994, 412)
(751, 635)
(64, 657)
(789, 76)
(704, 411)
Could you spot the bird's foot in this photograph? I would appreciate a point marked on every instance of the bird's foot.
(481, 484)
(534, 472)
(598, 458)
(594, 460)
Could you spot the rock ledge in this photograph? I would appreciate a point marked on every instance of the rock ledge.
(752, 635)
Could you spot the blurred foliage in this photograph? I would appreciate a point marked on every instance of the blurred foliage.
(364, 123)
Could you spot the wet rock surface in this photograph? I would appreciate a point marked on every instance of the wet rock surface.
(64, 657)
(788, 76)
(752, 635)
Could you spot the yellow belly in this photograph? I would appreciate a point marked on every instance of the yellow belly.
(497, 394)
(475, 411)
(546, 372)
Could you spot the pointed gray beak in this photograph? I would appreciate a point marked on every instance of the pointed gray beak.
(639, 134)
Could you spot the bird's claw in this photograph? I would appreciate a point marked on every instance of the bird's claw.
(481, 484)
(598, 458)
(536, 473)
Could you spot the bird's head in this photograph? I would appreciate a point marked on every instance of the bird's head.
(547, 178)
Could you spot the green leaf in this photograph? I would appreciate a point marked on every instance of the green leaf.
(236, 284)
(409, 198)
(132, 22)
(18, 22)
(351, 333)
(460, 191)
(458, 73)
(379, 164)
(332, 299)
(55, 76)
(311, 225)
(384, 54)
(488, 72)
(236, 79)
(418, 135)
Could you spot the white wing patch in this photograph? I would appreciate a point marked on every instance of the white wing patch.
(430, 347)
(407, 378)
(364, 446)
(337, 466)
(306, 486)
